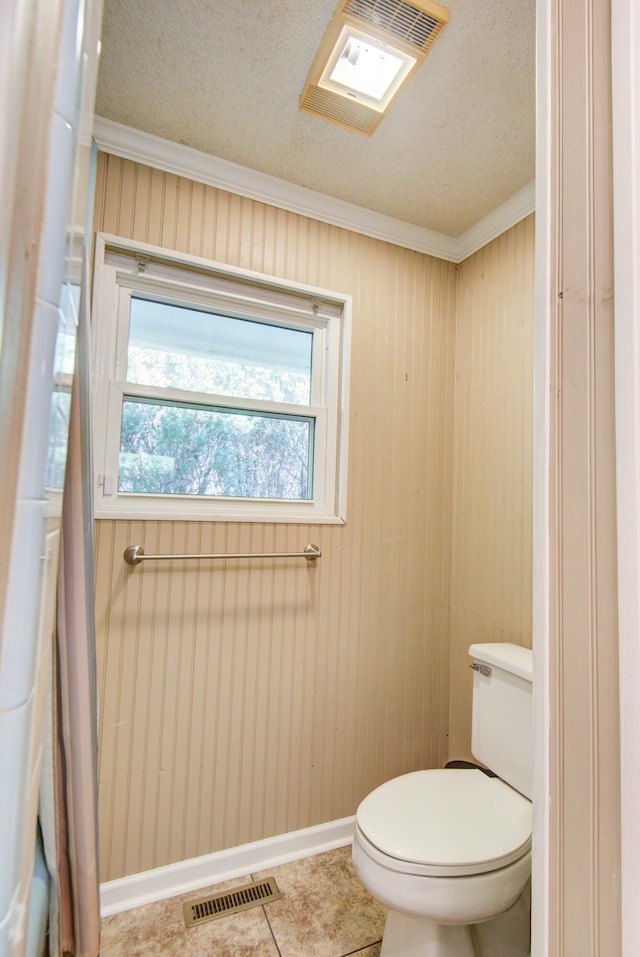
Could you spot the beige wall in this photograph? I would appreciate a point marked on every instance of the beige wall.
(492, 460)
(237, 703)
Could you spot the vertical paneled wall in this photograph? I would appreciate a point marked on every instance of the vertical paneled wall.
(492, 470)
(239, 702)
(578, 617)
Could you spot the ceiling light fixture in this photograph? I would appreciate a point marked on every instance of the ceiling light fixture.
(368, 69)
(368, 52)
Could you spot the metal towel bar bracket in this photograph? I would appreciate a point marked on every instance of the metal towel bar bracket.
(134, 554)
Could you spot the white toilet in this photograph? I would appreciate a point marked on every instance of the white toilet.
(444, 849)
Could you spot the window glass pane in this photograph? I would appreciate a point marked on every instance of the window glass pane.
(63, 368)
(175, 347)
(58, 436)
(171, 448)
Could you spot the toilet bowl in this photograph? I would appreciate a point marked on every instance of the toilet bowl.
(446, 849)
(443, 847)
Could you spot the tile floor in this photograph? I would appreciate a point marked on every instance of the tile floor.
(324, 911)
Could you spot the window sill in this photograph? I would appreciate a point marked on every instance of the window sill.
(273, 513)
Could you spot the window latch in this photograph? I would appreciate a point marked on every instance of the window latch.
(106, 481)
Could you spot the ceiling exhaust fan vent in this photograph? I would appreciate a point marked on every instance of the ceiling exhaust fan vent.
(369, 52)
(340, 110)
(415, 24)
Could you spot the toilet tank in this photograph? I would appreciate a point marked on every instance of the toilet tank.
(502, 712)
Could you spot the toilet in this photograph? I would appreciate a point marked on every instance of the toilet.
(445, 849)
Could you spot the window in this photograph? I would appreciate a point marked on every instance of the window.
(63, 370)
(219, 394)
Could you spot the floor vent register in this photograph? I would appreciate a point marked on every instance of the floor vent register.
(230, 902)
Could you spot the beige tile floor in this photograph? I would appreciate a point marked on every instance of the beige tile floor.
(324, 911)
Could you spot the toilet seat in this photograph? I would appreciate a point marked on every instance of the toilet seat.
(445, 823)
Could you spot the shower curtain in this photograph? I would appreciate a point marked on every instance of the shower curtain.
(75, 927)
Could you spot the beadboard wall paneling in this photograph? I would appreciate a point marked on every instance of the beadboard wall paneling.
(242, 700)
(491, 569)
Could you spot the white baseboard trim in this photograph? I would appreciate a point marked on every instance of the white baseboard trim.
(193, 164)
(173, 879)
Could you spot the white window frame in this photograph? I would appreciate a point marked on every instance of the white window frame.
(123, 267)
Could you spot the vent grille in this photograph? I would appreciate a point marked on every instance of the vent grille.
(341, 110)
(402, 19)
(412, 27)
(230, 902)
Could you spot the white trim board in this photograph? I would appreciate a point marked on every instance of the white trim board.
(193, 164)
(625, 23)
(191, 875)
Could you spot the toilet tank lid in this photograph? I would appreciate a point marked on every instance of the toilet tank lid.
(504, 654)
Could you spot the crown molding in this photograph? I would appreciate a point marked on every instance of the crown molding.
(131, 144)
(503, 217)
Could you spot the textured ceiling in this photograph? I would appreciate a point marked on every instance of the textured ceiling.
(224, 77)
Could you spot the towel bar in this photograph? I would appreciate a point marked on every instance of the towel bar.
(134, 554)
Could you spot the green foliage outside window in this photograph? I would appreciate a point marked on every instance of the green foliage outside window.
(179, 449)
